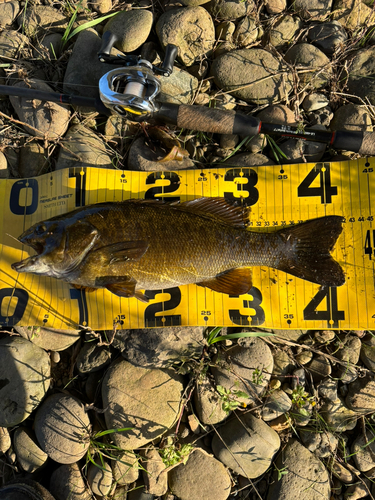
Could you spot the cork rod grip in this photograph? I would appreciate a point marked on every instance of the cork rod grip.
(217, 121)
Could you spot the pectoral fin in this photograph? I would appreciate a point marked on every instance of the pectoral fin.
(127, 290)
(124, 251)
(233, 282)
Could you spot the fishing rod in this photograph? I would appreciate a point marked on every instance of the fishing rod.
(131, 92)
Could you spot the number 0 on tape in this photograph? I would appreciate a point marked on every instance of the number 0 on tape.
(278, 196)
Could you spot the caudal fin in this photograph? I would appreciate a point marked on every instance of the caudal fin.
(308, 248)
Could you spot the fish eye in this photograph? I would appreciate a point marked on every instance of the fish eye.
(40, 229)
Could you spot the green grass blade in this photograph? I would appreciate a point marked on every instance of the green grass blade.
(65, 36)
(89, 24)
(213, 333)
(241, 335)
(111, 431)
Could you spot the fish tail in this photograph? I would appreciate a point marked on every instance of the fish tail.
(307, 251)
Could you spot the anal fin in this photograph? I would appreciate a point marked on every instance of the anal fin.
(233, 282)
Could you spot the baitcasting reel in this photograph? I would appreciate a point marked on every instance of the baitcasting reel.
(130, 91)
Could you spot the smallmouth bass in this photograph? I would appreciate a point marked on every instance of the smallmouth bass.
(136, 245)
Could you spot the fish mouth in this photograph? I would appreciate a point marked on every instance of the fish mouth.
(36, 245)
(25, 264)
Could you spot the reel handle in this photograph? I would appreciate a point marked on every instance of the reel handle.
(108, 41)
(171, 52)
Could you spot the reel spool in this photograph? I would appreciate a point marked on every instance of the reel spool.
(130, 91)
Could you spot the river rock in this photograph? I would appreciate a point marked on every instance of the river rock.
(125, 468)
(132, 28)
(246, 445)
(230, 9)
(147, 400)
(29, 455)
(248, 369)
(363, 451)
(101, 6)
(349, 353)
(50, 47)
(314, 101)
(224, 31)
(275, 6)
(351, 117)
(25, 378)
(24, 489)
(352, 14)
(11, 42)
(50, 119)
(327, 389)
(292, 335)
(276, 404)
(360, 395)
(201, 477)
(179, 88)
(361, 70)
(310, 57)
(284, 31)
(208, 403)
(247, 160)
(8, 12)
(33, 160)
(338, 417)
(279, 114)
(328, 36)
(305, 473)
(84, 69)
(358, 490)
(92, 358)
(82, 148)
(319, 367)
(312, 9)
(62, 428)
(67, 483)
(340, 471)
(49, 339)
(322, 444)
(154, 473)
(4, 172)
(368, 351)
(41, 18)
(160, 348)
(193, 3)
(247, 32)
(191, 29)
(253, 75)
(99, 477)
(282, 364)
(5, 442)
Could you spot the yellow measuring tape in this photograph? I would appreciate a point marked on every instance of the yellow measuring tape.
(278, 196)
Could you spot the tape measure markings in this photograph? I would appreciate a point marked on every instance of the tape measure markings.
(258, 187)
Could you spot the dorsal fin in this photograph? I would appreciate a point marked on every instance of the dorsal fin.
(218, 208)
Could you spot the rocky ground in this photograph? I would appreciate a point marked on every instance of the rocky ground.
(274, 417)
